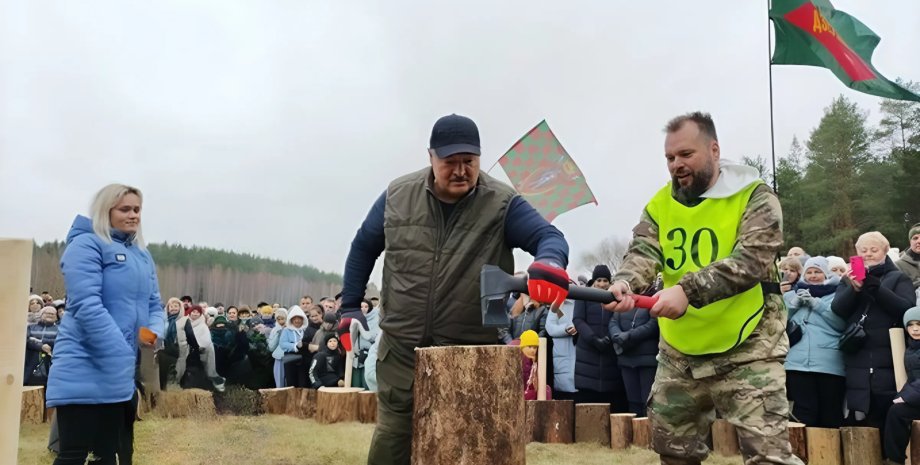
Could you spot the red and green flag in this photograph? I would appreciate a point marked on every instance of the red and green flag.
(544, 173)
(813, 33)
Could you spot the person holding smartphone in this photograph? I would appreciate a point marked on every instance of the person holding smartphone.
(878, 299)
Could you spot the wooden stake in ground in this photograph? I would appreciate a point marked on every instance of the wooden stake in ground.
(797, 440)
(541, 369)
(337, 404)
(897, 356)
(551, 421)
(458, 419)
(725, 438)
(621, 430)
(150, 377)
(349, 367)
(367, 407)
(642, 433)
(592, 423)
(823, 446)
(861, 446)
(15, 275)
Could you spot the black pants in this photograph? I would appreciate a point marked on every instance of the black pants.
(897, 430)
(166, 363)
(638, 382)
(817, 398)
(104, 429)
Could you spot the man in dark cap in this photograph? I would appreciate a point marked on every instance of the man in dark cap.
(438, 226)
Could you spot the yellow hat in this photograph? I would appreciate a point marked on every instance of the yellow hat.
(530, 338)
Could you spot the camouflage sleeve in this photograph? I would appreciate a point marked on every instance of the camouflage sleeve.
(760, 235)
(643, 259)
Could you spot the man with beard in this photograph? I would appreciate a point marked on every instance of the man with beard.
(713, 233)
(909, 263)
(438, 226)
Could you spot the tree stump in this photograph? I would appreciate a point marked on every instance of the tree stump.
(725, 438)
(367, 407)
(275, 400)
(823, 446)
(307, 403)
(621, 430)
(914, 454)
(550, 421)
(592, 423)
(183, 403)
(292, 408)
(861, 446)
(460, 420)
(797, 440)
(642, 433)
(33, 405)
(337, 404)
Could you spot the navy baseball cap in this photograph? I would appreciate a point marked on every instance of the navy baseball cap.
(453, 134)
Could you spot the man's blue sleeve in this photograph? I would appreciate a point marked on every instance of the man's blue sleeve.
(366, 247)
(527, 230)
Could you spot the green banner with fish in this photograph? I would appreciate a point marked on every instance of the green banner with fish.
(544, 174)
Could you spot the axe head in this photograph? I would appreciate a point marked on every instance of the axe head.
(494, 287)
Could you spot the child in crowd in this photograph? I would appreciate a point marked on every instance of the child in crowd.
(328, 368)
(906, 407)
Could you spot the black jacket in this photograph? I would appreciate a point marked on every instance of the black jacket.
(886, 294)
(636, 332)
(327, 369)
(595, 368)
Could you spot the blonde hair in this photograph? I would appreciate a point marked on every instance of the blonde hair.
(874, 237)
(170, 301)
(101, 208)
(793, 263)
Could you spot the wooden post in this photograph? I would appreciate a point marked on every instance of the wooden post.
(349, 367)
(337, 404)
(541, 369)
(725, 438)
(150, 376)
(275, 400)
(861, 446)
(797, 440)
(15, 275)
(367, 407)
(897, 356)
(642, 433)
(823, 446)
(551, 421)
(592, 423)
(458, 419)
(33, 405)
(621, 430)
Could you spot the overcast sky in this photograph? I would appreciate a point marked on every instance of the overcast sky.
(271, 127)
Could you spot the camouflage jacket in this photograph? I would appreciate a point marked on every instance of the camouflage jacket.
(751, 261)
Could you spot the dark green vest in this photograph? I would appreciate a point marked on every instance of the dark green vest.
(431, 268)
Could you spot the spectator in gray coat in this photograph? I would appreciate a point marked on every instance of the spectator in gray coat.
(562, 331)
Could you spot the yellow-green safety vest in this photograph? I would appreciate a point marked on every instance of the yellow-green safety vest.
(692, 238)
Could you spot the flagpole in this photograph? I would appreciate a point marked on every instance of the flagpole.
(770, 74)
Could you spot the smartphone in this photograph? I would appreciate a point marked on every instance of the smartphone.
(858, 267)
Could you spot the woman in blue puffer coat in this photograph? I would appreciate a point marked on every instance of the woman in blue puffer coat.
(112, 292)
(815, 382)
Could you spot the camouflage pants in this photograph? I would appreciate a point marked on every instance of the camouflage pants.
(752, 396)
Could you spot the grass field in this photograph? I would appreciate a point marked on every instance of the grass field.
(283, 440)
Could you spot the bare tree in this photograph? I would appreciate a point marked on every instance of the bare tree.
(609, 252)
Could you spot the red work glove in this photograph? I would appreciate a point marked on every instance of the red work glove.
(547, 283)
(343, 333)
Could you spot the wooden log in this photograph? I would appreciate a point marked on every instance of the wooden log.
(15, 277)
(541, 369)
(551, 421)
(592, 423)
(149, 378)
(823, 446)
(621, 430)
(458, 419)
(367, 407)
(307, 403)
(725, 438)
(293, 403)
(33, 405)
(336, 404)
(861, 446)
(275, 400)
(896, 335)
(797, 440)
(642, 433)
(184, 403)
